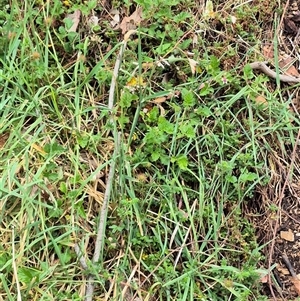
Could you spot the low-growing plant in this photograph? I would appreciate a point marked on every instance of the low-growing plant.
(194, 143)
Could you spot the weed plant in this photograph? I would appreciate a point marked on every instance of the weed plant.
(194, 147)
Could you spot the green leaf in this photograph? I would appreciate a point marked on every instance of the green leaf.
(162, 49)
(83, 140)
(248, 72)
(91, 4)
(188, 130)
(123, 120)
(155, 156)
(3, 258)
(153, 114)
(54, 148)
(226, 166)
(248, 177)
(80, 210)
(164, 159)
(182, 162)
(165, 125)
(155, 136)
(69, 23)
(188, 98)
(26, 274)
(206, 90)
(204, 111)
(63, 187)
(56, 212)
(53, 172)
(127, 98)
(231, 179)
(214, 63)
(67, 256)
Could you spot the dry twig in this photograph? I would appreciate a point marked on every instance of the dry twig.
(81, 257)
(289, 265)
(102, 221)
(295, 280)
(103, 213)
(268, 71)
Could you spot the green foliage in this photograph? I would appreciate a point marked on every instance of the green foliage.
(193, 148)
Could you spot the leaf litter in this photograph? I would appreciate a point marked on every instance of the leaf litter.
(131, 22)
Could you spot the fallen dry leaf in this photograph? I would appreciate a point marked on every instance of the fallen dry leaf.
(285, 61)
(286, 64)
(3, 139)
(283, 270)
(159, 100)
(233, 19)
(131, 22)
(93, 21)
(296, 16)
(268, 52)
(287, 235)
(193, 65)
(290, 26)
(75, 17)
(161, 109)
(115, 17)
(260, 100)
(195, 40)
(147, 65)
(296, 281)
(264, 279)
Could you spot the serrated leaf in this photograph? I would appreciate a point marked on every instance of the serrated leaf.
(165, 125)
(155, 156)
(182, 162)
(188, 130)
(83, 140)
(248, 177)
(26, 274)
(127, 98)
(188, 98)
(54, 148)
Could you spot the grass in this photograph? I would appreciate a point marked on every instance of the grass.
(194, 149)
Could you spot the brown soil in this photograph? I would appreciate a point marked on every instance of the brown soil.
(275, 214)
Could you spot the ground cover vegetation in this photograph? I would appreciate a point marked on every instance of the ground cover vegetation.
(194, 136)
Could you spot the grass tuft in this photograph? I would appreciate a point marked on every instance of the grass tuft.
(193, 135)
